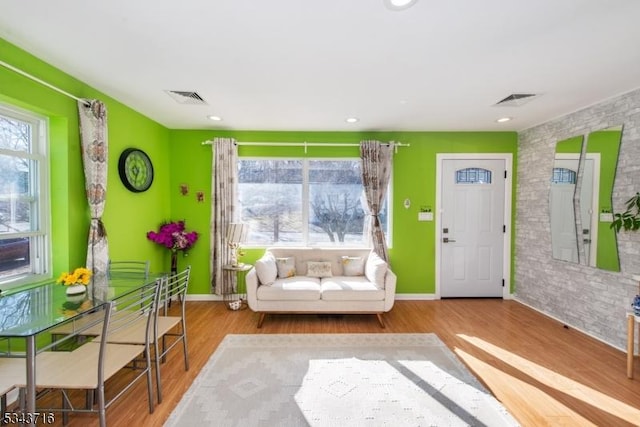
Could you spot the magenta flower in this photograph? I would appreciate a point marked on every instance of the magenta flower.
(173, 236)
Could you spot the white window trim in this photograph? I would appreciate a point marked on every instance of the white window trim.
(305, 200)
(41, 250)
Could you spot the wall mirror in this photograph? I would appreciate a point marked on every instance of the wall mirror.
(580, 202)
(564, 180)
(599, 243)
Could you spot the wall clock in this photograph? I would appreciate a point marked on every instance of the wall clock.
(136, 170)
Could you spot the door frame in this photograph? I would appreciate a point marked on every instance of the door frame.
(508, 202)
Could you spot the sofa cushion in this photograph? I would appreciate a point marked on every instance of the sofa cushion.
(352, 265)
(286, 267)
(319, 269)
(266, 269)
(375, 269)
(298, 288)
(350, 288)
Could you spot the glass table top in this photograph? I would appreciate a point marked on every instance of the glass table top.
(31, 311)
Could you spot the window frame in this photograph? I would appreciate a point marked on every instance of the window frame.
(40, 235)
(305, 194)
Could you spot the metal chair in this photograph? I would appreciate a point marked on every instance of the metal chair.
(88, 366)
(164, 328)
(12, 373)
(128, 269)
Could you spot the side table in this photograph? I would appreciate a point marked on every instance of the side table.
(631, 322)
(632, 319)
(234, 292)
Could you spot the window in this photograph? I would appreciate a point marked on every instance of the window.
(473, 176)
(303, 202)
(23, 196)
(563, 176)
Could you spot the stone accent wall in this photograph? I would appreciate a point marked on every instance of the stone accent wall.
(592, 300)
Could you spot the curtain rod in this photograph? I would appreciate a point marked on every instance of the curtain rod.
(308, 144)
(42, 82)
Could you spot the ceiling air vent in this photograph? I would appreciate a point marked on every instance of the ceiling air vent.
(186, 97)
(516, 99)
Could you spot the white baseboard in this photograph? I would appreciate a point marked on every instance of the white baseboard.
(416, 297)
(399, 297)
(204, 297)
(569, 325)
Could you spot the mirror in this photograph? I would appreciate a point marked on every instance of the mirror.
(599, 243)
(564, 179)
(580, 201)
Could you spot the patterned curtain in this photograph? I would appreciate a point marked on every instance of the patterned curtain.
(223, 209)
(376, 171)
(93, 139)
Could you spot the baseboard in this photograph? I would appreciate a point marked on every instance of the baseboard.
(416, 297)
(399, 297)
(624, 350)
(203, 297)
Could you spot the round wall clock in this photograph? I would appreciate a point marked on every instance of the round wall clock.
(136, 170)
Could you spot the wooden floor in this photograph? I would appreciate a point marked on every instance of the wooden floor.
(544, 373)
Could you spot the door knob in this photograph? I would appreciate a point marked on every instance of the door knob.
(447, 240)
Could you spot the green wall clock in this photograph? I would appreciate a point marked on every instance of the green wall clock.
(136, 170)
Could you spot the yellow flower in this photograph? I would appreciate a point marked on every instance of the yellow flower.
(80, 275)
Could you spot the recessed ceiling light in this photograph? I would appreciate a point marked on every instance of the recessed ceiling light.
(504, 119)
(215, 118)
(352, 120)
(399, 4)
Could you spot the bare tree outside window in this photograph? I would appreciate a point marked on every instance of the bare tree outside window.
(294, 202)
(16, 200)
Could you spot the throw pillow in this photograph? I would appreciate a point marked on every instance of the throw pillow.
(375, 269)
(318, 269)
(266, 269)
(352, 265)
(286, 267)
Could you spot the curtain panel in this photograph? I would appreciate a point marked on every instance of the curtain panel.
(223, 210)
(93, 140)
(376, 171)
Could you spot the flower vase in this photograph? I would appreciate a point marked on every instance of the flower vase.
(76, 289)
(636, 305)
(174, 263)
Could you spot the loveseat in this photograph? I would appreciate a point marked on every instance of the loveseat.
(313, 280)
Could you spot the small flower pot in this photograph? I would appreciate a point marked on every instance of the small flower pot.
(76, 289)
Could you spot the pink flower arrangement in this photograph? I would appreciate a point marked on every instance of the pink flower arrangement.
(173, 236)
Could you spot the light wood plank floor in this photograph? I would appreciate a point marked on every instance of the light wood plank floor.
(544, 373)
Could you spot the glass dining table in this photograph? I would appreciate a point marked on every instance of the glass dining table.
(28, 314)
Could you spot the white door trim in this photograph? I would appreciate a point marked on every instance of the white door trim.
(508, 164)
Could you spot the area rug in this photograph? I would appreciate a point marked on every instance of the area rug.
(336, 380)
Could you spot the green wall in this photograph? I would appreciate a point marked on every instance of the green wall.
(180, 158)
(127, 216)
(414, 177)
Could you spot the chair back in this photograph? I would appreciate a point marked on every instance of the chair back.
(128, 269)
(136, 306)
(176, 286)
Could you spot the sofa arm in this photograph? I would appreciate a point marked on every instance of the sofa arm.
(389, 290)
(251, 281)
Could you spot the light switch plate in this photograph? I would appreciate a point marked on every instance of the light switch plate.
(606, 217)
(425, 216)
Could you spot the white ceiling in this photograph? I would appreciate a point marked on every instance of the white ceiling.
(308, 65)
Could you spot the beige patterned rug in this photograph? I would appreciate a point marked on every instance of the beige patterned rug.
(336, 380)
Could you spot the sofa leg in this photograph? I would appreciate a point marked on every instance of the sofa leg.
(261, 319)
(380, 320)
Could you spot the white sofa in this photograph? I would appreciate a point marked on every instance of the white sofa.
(346, 287)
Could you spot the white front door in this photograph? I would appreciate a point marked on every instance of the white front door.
(472, 227)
